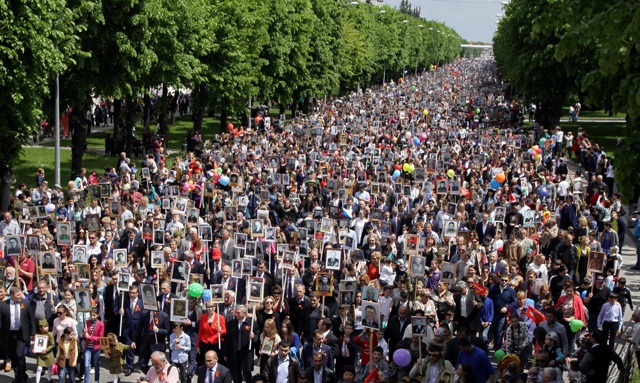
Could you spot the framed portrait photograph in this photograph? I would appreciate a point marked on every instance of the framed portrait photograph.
(63, 233)
(411, 243)
(267, 346)
(157, 259)
(217, 293)
(442, 187)
(247, 265)
(448, 272)
(345, 297)
(257, 228)
(255, 290)
(181, 206)
(370, 315)
(148, 294)
(93, 222)
(419, 326)
(326, 226)
(33, 244)
(333, 260)
(597, 262)
(178, 310)
(83, 300)
(84, 272)
(40, 343)
(287, 259)
(270, 234)
(166, 204)
(48, 262)
(240, 239)
(370, 293)
(236, 268)
(250, 249)
(500, 214)
(119, 257)
(324, 284)
(204, 231)
(347, 286)
(124, 282)
(417, 265)
(450, 228)
(158, 238)
(529, 218)
(80, 254)
(180, 272)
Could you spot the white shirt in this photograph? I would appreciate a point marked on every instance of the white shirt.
(15, 315)
(283, 371)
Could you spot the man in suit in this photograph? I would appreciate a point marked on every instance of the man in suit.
(212, 371)
(316, 346)
(290, 282)
(327, 374)
(494, 266)
(228, 306)
(194, 312)
(595, 364)
(194, 265)
(16, 327)
(299, 308)
(42, 303)
(502, 296)
(469, 315)
(330, 339)
(261, 272)
(237, 348)
(395, 328)
(110, 297)
(132, 323)
(230, 283)
(274, 373)
(226, 245)
(165, 297)
(156, 329)
(485, 229)
(133, 244)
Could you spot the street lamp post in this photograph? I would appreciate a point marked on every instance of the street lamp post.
(57, 117)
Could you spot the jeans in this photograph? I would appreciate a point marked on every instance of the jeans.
(62, 373)
(497, 325)
(485, 334)
(637, 251)
(91, 357)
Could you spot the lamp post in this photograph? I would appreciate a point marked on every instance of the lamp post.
(57, 117)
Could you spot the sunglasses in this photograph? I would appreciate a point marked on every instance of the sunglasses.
(60, 312)
(269, 302)
(434, 355)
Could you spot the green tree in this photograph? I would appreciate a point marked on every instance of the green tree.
(38, 41)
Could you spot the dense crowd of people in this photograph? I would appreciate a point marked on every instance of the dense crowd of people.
(398, 234)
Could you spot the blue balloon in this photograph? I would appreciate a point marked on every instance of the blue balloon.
(416, 141)
(543, 191)
(396, 173)
(494, 184)
(206, 295)
(530, 301)
(224, 180)
(584, 294)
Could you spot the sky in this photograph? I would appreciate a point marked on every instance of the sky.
(474, 20)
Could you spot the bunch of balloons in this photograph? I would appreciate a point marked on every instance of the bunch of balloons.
(408, 168)
(188, 186)
(535, 152)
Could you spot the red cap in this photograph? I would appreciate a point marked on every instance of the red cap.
(217, 254)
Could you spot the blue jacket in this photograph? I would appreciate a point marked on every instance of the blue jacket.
(501, 299)
(486, 313)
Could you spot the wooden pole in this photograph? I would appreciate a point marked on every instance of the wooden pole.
(121, 308)
(253, 316)
(219, 334)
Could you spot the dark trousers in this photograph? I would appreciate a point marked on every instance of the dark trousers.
(243, 366)
(610, 329)
(182, 371)
(193, 359)
(16, 353)
(129, 354)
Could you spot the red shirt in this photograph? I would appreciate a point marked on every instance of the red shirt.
(30, 267)
(364, 345)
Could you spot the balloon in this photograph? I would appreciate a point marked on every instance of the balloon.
(411, 168)
(405, 167)
(397, 167)
(576, 325)
(423, 136)
(336, 153)
(543, 191)
(500, 177)
(190, 182)
(206, 295)
(499, 355)
(494, 184)
(416, 141)
(584, 294)
(396, 173)
(402, 357)
(530, 301)
(425, 112)
(219, 170)
(230, 126)
(224, 180)
(195, 290)
(451, 173)
(535, 147)
(478, 110)
(407, 135)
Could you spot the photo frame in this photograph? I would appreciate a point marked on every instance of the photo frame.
(370, 315)
(193, 216)
(324, 284)
(157, 259)
(48, 263)
(119, 257)
(346, 297)
(347, 286)
(217, 293)
(39, 344)
(33, 244)
(257, 228)
(500, 214)
(80, 254)
(417, 265)
(370, 294)
(84, 272)
(83, 300)
(448, 272)
(149, 295)
(450, 228)
(442, 187)
(180, 272)
(333, 259)
(181, 205)
(419, 326)
(204, 231)
(288, 258)
(93, 222)
(63, 233)
(255, 293)
(528, 218)
(596, 263)
(178, 310)
(236, 268)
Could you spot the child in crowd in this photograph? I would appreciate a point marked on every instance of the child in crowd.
(624, 294)
(180, 345)
(387, 274)
(67, 355)
(555, 352)
(608, 281)
(45, 358)
(114, 356)
(386, 302)
(382, 343)
(575, 376)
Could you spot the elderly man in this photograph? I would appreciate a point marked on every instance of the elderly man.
(17, 327)
(213, 371)
(9, 226)
(162, 371)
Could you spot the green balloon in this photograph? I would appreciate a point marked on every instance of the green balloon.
(478, 110)
(195, 290)
(576, 325)
(499, 355)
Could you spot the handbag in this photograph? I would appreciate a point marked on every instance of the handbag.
(54, 369)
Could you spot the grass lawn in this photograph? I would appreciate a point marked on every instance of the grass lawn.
(603, 133)
(34, 158)
(592, 114)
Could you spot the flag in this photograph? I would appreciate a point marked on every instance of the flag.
(372, 377)
(536, 316)
(345, 214)
(479, 289)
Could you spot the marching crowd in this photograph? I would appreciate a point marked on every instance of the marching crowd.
(396, 234)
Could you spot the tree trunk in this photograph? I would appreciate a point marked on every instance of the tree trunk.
(130, 122)
(223, 116)
(174, 108)
(294, 104)
(147, 111)
(77, 123)
(198, 106)
(162, 110)
(282, 109)
(117, 111)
